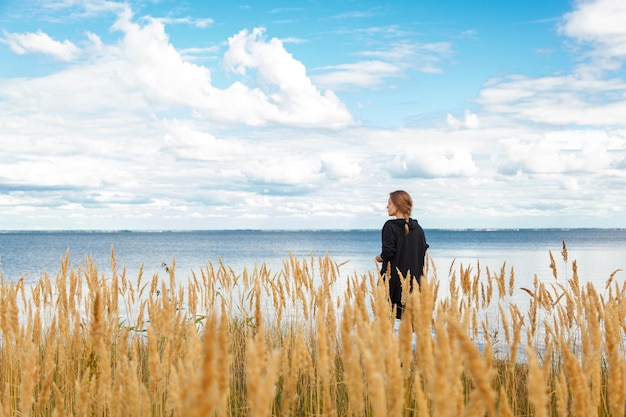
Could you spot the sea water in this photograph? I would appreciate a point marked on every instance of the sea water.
(598, 252)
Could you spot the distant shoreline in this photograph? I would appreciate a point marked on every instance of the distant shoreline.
(469, 229)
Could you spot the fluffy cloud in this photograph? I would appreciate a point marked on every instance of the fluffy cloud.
(291, 98)
(339, 166)
(143, 72)
(183, 140)
(40, 43)
(585, 97)
(433, 164)
(578, 99)
(600, 23)
(150, 61)
(292, 175)
(58, 172)
(470, 120)
(568, 152)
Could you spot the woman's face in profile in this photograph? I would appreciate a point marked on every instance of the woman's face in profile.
(392, 210)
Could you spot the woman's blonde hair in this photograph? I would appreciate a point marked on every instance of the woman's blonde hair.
(404, 203)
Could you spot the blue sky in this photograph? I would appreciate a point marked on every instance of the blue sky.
(306, 114)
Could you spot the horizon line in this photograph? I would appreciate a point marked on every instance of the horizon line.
(451, 229)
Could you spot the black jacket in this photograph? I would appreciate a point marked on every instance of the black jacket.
(402, 252)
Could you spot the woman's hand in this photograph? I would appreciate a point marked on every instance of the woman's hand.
(378, 258)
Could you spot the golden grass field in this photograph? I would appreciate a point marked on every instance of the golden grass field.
(288, 343)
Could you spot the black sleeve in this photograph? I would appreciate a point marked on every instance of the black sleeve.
(389, 240)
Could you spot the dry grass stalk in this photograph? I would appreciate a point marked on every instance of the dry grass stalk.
(504, 408)
(261, 374)
(353, 372)
(537, 389)
(440, 376)
(373, 368)
(581, 401)
(616, 365)
(476, 368)
(262, 344)
(553, 266)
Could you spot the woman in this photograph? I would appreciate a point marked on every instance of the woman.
(403, 247)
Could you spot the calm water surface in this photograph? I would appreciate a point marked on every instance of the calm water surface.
(599, 252)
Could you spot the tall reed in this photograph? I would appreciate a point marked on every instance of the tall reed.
(307, 340)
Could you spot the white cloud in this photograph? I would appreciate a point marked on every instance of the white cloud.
(56, 172)
(339, 166)
(83, 8)
(393, 62)
(424, 57)
(566, 152)
(470, 33)
(470, 121)
(72, 207)
(569, 183)
(190, 54)
(158, 67)
(353, 15)
(292, 39)
(144, 72)
(600, 23)
(283, 175)
(580, 98)
(359, 74)
(291, 96)
(113, 197)
(41, 43)
(284, 94)
(163, 204)
(185, 141)
(200, 23)
(433, 164)
(585, 97)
